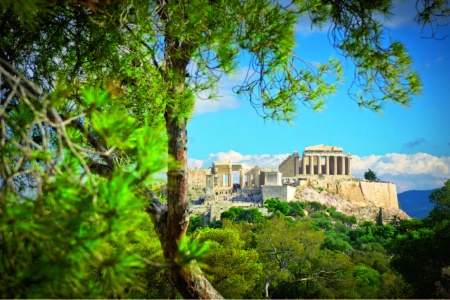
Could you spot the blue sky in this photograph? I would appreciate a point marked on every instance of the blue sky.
(409, 146)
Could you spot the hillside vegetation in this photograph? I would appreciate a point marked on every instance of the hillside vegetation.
(311, 250)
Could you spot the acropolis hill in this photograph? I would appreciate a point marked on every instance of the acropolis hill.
(322, 173)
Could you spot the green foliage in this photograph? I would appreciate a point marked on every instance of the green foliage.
(67, 231)
(367, 277)
(79, 149)
(274, 205)
(319, 215)
(233, 270)
(232, 214)
(195, 223)
(336, 241)
(441, 200)
(192, 248)
(379, 220)
(296, 209)
(393, 286)
(246, 232)
(215, 224)
(250, 215)
(370, 175)
(282, 246)
(420, 255)
(421, 247)
(153, 282)
(343, 217)
(316, 206)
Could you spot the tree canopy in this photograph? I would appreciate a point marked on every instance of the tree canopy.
(370, 175)
(95, 97)
(422, 248)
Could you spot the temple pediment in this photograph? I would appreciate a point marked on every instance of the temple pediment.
(317, 160)
(324, 148)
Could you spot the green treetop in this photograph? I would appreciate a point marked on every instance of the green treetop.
(370, 175)
(94, 92)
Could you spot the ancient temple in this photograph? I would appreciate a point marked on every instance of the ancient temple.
(317, 160)
(255, 176)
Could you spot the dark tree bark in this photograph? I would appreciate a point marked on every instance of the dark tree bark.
(171, 221)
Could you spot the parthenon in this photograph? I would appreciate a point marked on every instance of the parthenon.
(318, 160)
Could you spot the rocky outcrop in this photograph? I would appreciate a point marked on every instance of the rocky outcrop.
(344, 205)
(360, 192)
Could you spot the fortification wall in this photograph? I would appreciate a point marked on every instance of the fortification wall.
(359, 192)
(198, 176)
(197, 184)
(353, 192)
(196, 192)
(381, 194)
(283, 192)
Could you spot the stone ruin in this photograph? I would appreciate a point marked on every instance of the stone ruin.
(327, 167)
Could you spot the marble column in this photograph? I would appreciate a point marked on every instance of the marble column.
(350, 165)
(230, 179)
(279, 179)
(343, 166)
(257, 173)
(327, 165)
(222, 181)
(319, 164)
(303, 165)
(335, 165)
(310, 164)
(241, 178)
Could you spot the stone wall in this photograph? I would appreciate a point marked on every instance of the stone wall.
(209, 189)
(283, 192)
(289, 165)
(198, 176)
(196, 192)
(382, 194)
(360, 192)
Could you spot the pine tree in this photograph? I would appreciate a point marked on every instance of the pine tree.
(379, 220)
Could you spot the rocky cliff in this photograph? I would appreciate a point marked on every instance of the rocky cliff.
(360, 192)
(368, 211)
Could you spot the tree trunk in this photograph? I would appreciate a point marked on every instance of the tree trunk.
(266, 286)
(171, 221)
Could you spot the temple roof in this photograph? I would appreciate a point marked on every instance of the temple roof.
(222, 162)
(323, 147)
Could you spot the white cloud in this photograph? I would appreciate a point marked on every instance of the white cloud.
(420, 171)
(224, 97)
(194, 163)
(262, 160)
(205, 106)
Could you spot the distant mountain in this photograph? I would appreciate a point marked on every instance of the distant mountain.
(415, 203)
